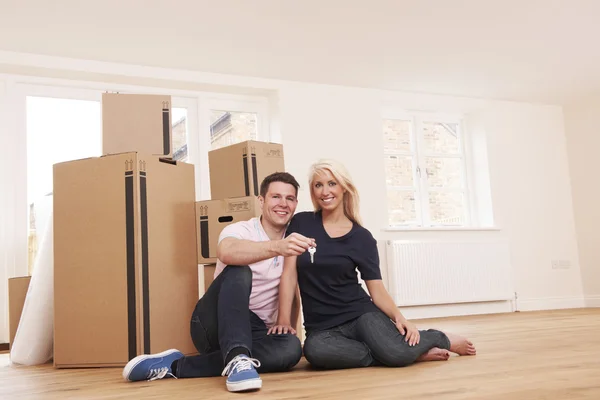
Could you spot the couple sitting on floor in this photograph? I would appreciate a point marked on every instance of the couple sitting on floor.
(243, 324)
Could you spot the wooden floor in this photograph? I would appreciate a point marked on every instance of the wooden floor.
(538, 355)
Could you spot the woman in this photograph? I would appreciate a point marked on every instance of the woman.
(347, 328)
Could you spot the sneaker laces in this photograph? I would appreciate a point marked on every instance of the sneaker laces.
(239, 364)
(159, 373)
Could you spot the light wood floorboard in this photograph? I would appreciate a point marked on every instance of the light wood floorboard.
(535, 355)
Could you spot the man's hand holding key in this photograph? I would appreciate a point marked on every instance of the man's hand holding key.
(294, 245)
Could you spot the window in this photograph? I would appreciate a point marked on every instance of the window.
(230, 127)
(58, 130)
(425, 171)
(223, 120)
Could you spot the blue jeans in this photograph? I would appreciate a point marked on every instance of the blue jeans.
(223, 321)
(369, 340)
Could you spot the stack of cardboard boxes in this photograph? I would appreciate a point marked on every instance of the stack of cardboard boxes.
(129, 235)
(125, 270)
(236, 173)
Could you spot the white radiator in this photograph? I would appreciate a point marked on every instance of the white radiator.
(442, 272)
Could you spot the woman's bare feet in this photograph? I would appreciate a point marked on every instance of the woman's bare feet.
(435, 354)
(461, 345)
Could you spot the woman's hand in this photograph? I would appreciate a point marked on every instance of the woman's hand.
(281, 329)
(410, 330)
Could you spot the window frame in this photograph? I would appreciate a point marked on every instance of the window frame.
(419, 155)
(220, 101)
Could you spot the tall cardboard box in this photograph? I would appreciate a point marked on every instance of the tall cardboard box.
(17, 291)
(125, 271)
(136, 122)
(238, 170)
(212, 216)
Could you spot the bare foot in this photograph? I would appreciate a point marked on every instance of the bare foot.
(461, 345)
(435, 354)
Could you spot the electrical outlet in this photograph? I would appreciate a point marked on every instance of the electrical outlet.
(561, 264)
(566, 264)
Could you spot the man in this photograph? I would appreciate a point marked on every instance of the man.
(231, 322)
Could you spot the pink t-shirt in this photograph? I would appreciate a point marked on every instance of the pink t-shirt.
(264, 298)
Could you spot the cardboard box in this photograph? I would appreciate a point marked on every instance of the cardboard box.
(238, 170)
(212, 216)
(17, 291)
(136, 122)
(125, 271)
(209, 275)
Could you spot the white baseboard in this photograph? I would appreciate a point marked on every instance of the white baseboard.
(454, 310)
(533, 304)
(550, 303)
(592, 301)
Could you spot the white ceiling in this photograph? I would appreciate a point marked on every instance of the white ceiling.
(527, 50)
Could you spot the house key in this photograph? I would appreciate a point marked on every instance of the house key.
(312, 252)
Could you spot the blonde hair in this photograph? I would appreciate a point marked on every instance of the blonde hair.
(341, 175)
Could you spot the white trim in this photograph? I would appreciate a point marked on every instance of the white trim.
(393, 112)
(201, 144)
(441, 228)
(550, 303)
(592, 301)
(201, 283)
(137, 71)
(13, 201)
(193, 135)
(6, 264)
(454, 310)
(108, 86)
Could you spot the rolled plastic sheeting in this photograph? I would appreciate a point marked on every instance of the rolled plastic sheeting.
(33, 343)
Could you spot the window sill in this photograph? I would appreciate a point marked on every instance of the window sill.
(442, 228)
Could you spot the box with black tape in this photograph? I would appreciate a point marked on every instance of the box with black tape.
(125, 271)
(136, 122)
(238, 170)
(212, 216)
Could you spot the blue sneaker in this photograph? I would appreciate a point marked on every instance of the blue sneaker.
(149, 367)
(241, 374)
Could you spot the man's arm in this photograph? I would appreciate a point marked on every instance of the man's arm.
(233, 251)
(288, 284)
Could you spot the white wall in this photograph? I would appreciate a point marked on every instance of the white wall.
(524, 145)
(4, 233)
(528, 169)
(11, 207)
(532, 200)
(583, 142)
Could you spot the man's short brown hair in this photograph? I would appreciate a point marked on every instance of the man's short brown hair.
(278, 177)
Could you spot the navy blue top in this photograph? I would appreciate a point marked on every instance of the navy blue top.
(331, 293)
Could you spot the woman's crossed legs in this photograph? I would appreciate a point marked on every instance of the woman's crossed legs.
(373, 339)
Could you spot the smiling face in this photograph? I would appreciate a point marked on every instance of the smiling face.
(326, 191)
(279, 204)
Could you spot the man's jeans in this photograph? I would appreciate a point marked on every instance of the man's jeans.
(223, 321)
(369, 340)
